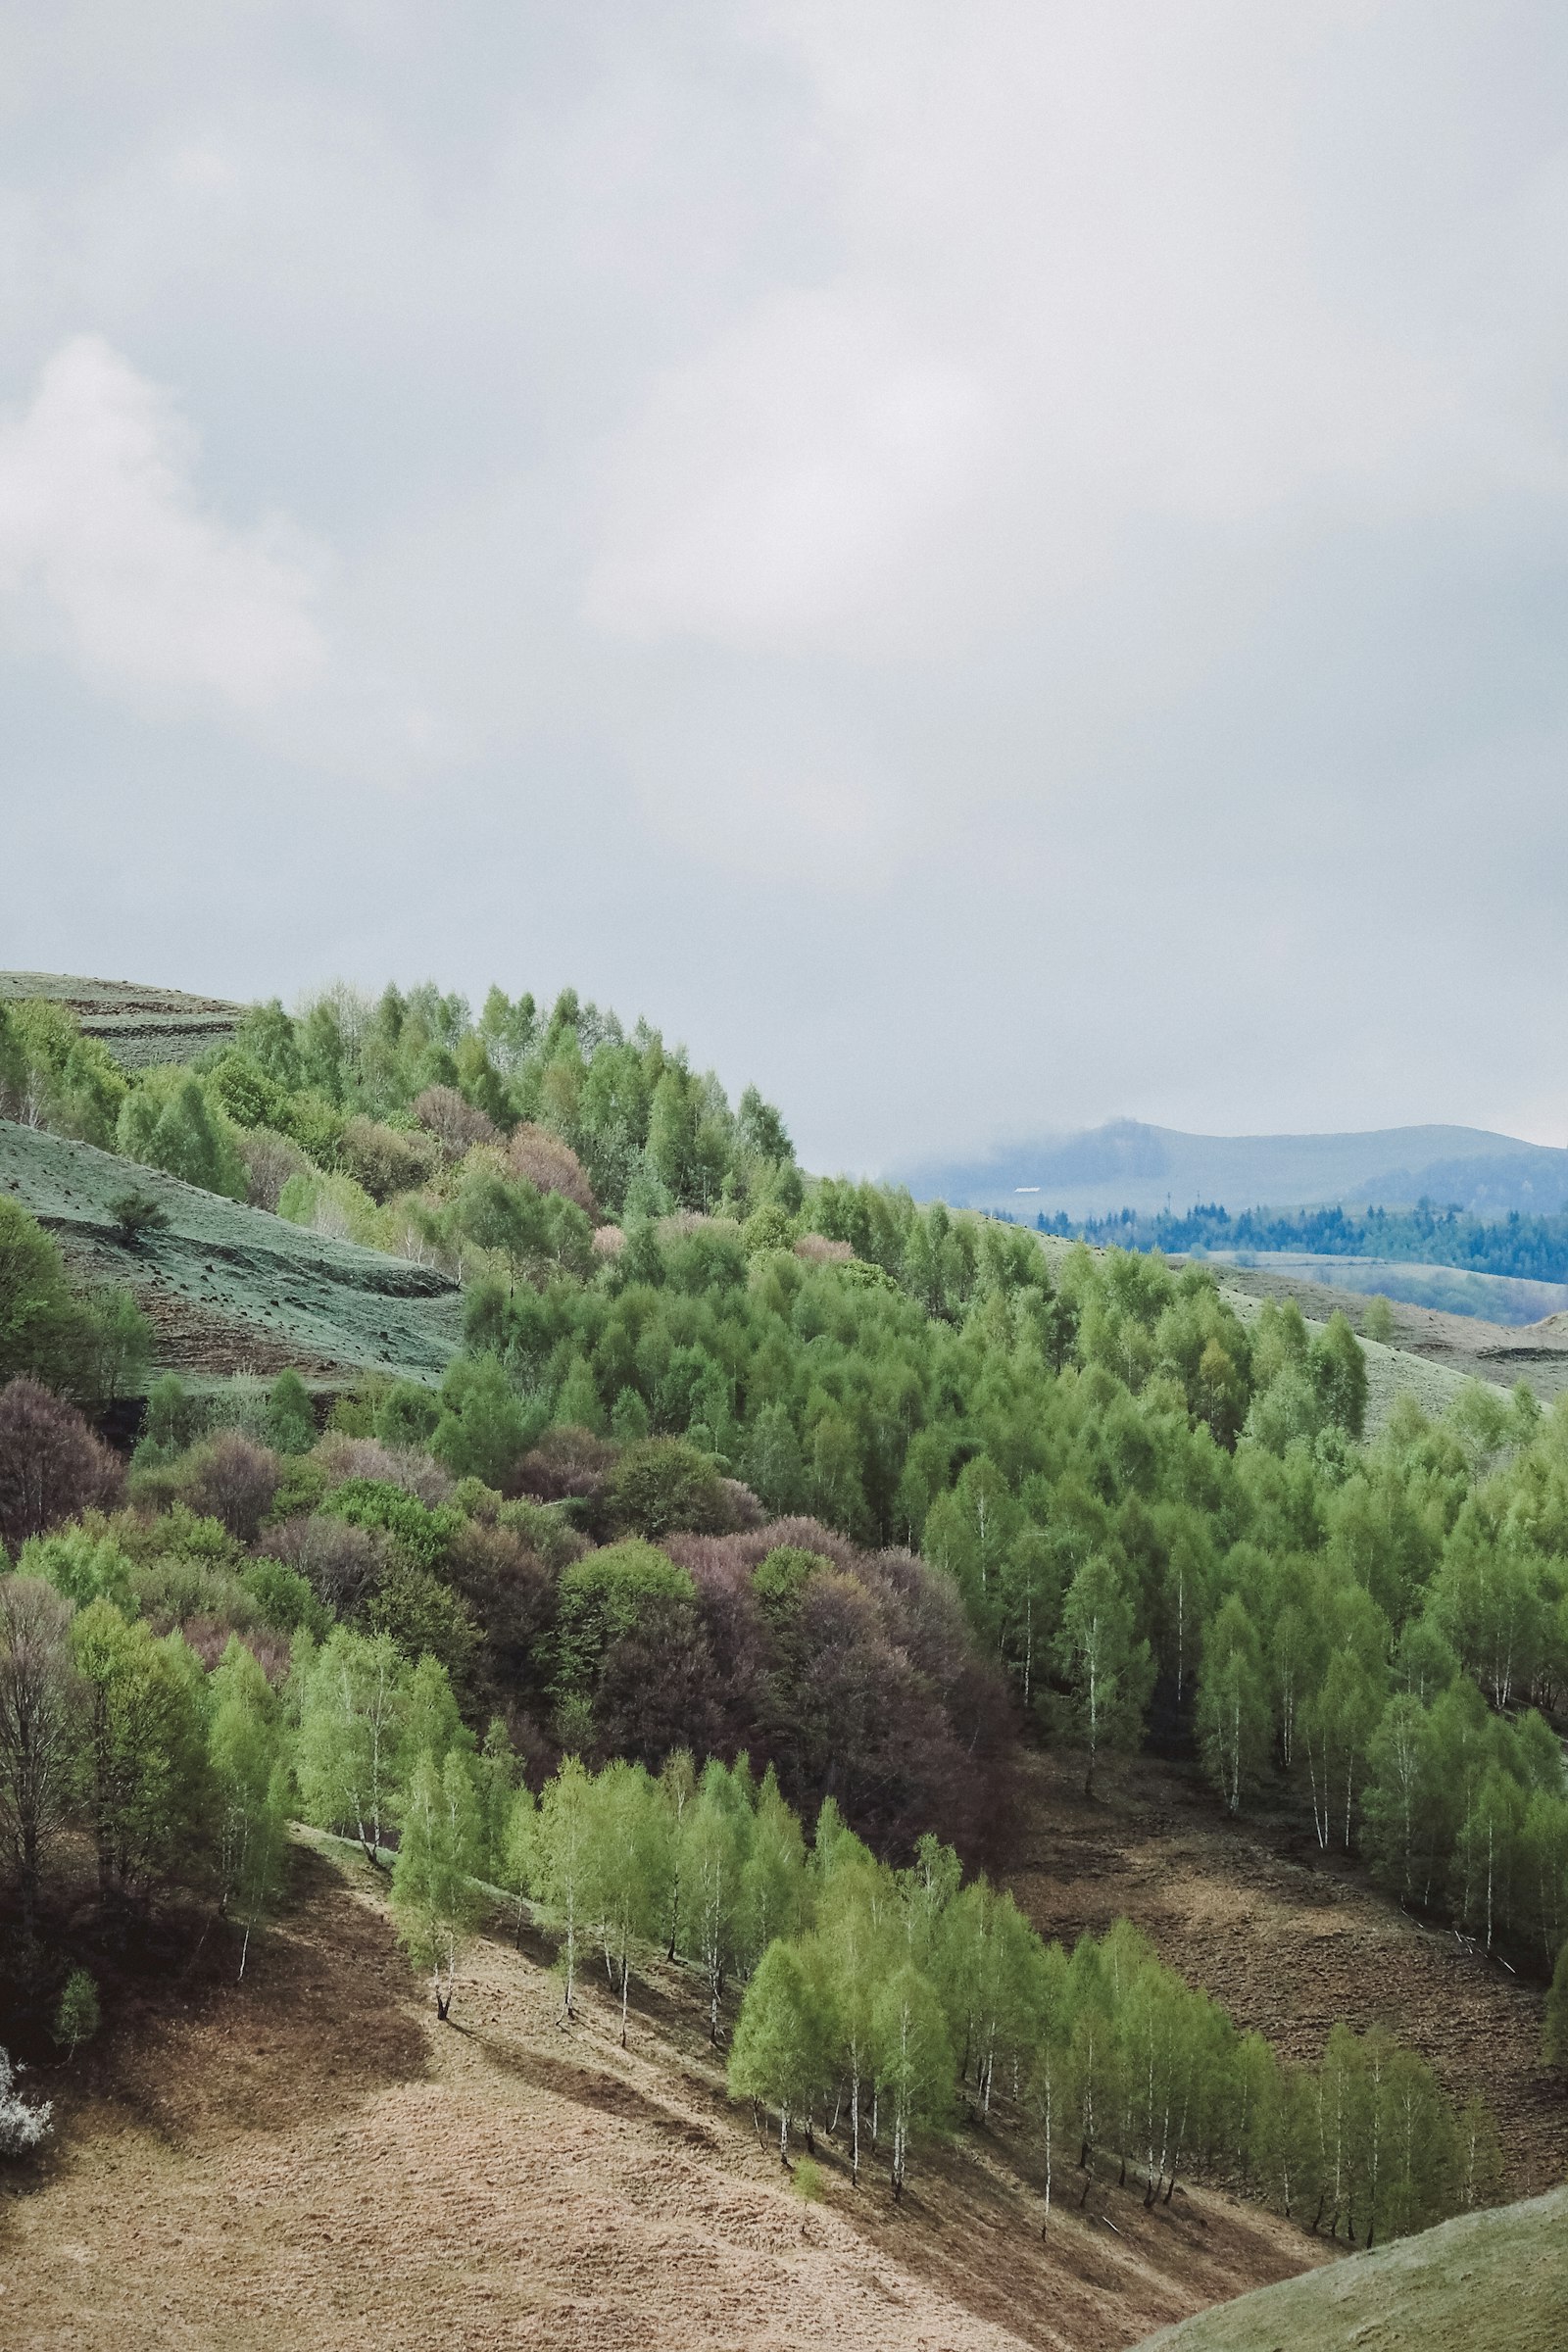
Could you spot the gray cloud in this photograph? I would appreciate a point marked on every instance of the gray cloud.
(990, 567)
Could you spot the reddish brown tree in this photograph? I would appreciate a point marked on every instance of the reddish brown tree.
(551, 1166)
(456, 1124)
(38, 1701)
(52, 1466)
(233, 1479)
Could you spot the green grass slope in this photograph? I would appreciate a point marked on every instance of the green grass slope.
(229, 1288)
(140, 1025)
(1493, 2281)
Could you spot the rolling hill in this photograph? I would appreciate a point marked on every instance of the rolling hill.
(231, 1289)
(1492, 2281)
(139, 1024)
(1129, 1165)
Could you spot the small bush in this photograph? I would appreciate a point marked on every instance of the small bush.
(136, 1214)
(78, 2017)
(806, 2182)
(289, 1423)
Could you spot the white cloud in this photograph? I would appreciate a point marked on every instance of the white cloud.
(780, 487)
(106, 552)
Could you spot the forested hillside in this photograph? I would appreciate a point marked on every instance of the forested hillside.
(1531, 1248)
(701, 1606)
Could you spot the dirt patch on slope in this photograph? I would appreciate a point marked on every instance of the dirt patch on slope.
(311, 2160)
(1286, 1940)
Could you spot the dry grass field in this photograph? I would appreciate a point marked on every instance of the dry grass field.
(310, 2161)
(1287, 1938)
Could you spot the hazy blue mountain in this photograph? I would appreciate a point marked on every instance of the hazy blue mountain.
(1128, 1165)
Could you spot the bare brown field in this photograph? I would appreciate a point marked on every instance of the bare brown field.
(1286, 1940)
(308, 2160)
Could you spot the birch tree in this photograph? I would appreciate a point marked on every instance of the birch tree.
(1108, 1671)
(783, 2035)
(563, 1838)
(436, 1900)
(352, 1712)
(913, 2065)
(628, 1867)
(246, 1745)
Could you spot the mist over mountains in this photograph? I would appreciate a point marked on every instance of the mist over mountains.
(1127, 1165)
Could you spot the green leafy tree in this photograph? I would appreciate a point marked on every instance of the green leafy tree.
(149, 1795)
(1109, 1672)
(600, 1600)
(352, 1710)
(43, 1332)
(437, 1901)
(664, 1484)
(1338, 1375)
(1487, 1854)
(774, 1874)
(247, 1751)
(783, 2036)
(1049, 2076)
(137, 1215)
(1554, 2025)
(289, 1426)
(484, 1427)
(167, 1123)
(39, 1705)
(1235, 1723)
(714, 1838)
(773, 1464)
(78, 2015)
(1338, 1723)
(561, 1868)
(913, 2065)
(518, 1861)
(854, 1931)
(630, 1867)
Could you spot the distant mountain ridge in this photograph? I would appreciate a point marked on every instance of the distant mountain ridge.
(1126, 1165)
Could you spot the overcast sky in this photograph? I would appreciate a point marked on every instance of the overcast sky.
(987, 565)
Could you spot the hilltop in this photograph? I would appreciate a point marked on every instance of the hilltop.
(139, 1024)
